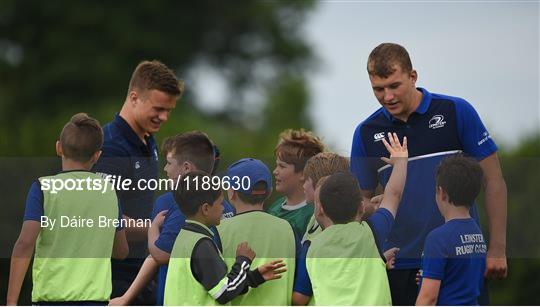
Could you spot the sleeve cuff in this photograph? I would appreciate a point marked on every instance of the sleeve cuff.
(432, 275)
(255, 278)
(240, 259)
(161, 245)
(303, 291)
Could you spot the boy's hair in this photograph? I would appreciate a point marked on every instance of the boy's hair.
(167, 145)
(383, 58)
(81, 138)
(254, 199)
(461, 178)
(154, 75)
(192, 146)
(340, 197)
(217, 159)
(190, 195)
(324, 164)
(297, 146)
(321, 182)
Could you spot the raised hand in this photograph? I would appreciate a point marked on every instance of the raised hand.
(371, 205)
(243, 249)
(272, 270)
(395, 148)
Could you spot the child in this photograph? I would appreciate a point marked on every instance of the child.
(197, 274)
(454, 258)
(270, 236)
(293, 150)
(321, 165)
(72, 263)
(185, 152)
(379, 223)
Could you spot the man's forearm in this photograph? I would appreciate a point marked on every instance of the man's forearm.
(496, 195)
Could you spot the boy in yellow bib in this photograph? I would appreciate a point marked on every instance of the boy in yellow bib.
(197, 273)
(72, 262)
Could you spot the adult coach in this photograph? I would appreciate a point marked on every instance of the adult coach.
(130, 152)
(436, 126)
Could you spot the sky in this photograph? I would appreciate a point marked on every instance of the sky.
(484, 52)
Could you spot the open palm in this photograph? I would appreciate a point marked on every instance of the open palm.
(272, 270)
(395, 148)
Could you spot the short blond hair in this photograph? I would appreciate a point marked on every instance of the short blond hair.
(325, 164)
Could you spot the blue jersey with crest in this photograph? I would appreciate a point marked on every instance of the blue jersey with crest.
(441, 126)
(455, 254)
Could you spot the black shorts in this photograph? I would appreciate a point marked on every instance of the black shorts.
(403, 286)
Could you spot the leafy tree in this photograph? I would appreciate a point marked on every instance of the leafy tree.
(59, 58)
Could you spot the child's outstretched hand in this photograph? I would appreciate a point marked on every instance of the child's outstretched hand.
(243, 249)
(396, 150)
(371, 205)
(272, 270)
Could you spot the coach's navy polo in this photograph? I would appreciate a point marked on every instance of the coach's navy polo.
(124, 154)
(440, 126)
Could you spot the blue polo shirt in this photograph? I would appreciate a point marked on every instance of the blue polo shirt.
(127, 157)
(441, 126)
(173, 223)
(455, 253)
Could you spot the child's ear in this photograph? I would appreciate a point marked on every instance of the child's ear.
(205, 208)
(230, 194)
(319, 211)
(188, 166)
(59, 149)
(442, 194)
(95, 157)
